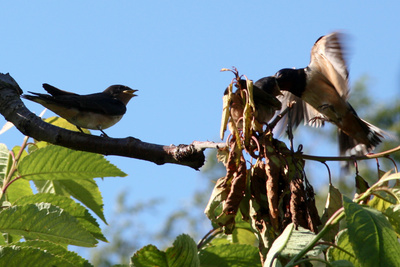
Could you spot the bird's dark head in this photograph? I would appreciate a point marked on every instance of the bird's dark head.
(121, 92)
(292, 80)
(284, 76)
(269, 85)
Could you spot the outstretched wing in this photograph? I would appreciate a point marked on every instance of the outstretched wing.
(328, 57)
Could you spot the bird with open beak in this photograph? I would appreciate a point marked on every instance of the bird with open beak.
(97, 111)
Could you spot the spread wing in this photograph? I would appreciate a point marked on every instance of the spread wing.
(328, 57)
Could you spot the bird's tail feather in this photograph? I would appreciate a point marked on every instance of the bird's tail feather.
(349, 146)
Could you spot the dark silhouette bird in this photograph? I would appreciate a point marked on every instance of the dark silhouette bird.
(321, 92)
(97, 111)
(265, 92)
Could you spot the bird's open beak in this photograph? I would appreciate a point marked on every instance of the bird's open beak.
(130, 92)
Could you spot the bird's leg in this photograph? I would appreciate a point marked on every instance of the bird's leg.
(103, 133)
(289, 130)
(273, 123)
(79, 128)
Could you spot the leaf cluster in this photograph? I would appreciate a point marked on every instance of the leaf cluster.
(37, 227)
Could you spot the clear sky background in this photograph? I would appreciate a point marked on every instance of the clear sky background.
(172, 51)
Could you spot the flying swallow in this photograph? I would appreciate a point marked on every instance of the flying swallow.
(97, 111)
(321, 92)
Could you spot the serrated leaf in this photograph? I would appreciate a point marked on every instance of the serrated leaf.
(229, 255)
(371, 235)
(25, 256)
(60, 163)
(86, 191)
(183, 252)
(291, 242)
(149, 256)
(44, 221)
(56, 250)
(67, 204)
(345, 252)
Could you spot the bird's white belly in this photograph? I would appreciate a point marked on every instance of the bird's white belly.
(94, 121)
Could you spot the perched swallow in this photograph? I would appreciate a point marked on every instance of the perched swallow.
(323, 86)
(265, 91)
(94, 111)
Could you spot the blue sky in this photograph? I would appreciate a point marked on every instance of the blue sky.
(172, 51)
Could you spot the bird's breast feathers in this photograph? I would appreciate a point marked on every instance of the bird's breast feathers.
(322, 95)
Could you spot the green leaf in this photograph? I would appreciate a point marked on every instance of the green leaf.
(341, 263)
(244, 236)
(393, 214)
(74, 209)
(56, 250)
(361, 184)
(290, 243)
(371, 235)
(149, 256)
(230, 255)
(44, 221)
(345, 252)
(387, 177)
(9, 238)
(25, 256)
(17, 189)
(63, 123)
(219, 194)
(4, 161)
(183, 252)
(382, 202)
(333, 203)
(86, 191)
(60, 163)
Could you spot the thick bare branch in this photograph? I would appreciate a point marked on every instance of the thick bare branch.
(14, 110)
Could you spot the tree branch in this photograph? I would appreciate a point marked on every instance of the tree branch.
(349, 158)
(14, 110)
